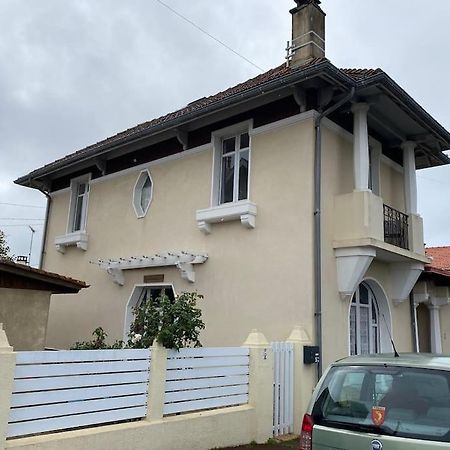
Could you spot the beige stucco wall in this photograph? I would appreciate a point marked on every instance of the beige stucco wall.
(253, 278)
(336, 161)
(392, 186)
(24, 314)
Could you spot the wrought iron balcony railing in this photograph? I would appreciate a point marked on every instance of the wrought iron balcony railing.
(395, 227)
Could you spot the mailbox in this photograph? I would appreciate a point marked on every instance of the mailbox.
(311, 354)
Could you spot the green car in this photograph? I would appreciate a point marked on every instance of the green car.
(381, 402)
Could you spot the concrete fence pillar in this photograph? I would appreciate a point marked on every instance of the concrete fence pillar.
(157, 386)
(304, 376)
(261, 384)
(7, 366)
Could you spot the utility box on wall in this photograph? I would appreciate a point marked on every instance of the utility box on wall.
(311, 354)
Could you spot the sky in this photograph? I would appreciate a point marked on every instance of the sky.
(74, 72)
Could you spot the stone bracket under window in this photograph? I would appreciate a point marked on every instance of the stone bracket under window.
(184, 261)
(244, 210)
(78, 239)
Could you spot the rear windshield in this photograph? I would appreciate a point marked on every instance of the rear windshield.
(404, 402)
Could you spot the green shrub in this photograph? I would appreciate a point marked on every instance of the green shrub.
(174, 324)
(98, 343)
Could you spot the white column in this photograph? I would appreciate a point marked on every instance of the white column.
(409, 175)
(360, 147)
(435, 329)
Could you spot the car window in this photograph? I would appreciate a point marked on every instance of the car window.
(399, 401)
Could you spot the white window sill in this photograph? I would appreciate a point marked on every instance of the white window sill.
(78, 239)
(245, 211)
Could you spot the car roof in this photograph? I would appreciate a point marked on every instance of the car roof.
(419, 360)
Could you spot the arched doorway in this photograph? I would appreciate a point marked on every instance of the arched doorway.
(369, 320)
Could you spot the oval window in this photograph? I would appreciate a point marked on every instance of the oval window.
(143, 192)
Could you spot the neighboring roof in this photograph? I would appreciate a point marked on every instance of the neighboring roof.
(20, 276)
(424, 360)
(269, 81)
(440, 257)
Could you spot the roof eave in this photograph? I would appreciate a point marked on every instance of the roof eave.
(418, 111)
(297, 76)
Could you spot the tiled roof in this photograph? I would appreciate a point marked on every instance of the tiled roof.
(50, 277)
(202, 103)
(441, 257)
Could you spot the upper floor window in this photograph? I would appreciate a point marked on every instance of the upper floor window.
(143, 193)
(231, 172)
(79, 204)
(234, 168)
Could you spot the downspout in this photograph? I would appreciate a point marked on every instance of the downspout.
(414, 331)
(317, 222)
(44, 235)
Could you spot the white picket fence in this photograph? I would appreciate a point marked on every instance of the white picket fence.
(68, 389)
(283, 388)
(206, 378)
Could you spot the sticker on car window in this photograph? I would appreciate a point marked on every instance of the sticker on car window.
(378, 415)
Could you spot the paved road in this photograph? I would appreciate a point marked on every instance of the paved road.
(277, 446)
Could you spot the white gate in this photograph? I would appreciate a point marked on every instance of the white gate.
(283, 388)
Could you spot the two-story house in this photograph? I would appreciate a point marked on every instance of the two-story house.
(287, 200)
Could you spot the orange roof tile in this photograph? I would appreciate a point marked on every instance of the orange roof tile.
(440, 256)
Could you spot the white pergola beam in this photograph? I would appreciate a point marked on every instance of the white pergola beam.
(184, 261)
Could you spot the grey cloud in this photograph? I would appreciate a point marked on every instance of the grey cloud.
(75, 72)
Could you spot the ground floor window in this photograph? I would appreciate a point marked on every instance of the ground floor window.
(154, 293)
(364, 322)
(143, 293)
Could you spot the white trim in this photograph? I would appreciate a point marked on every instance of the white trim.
(60, 192)
(156, 162)
(78, 239)
(128, 311)
(289, 121)
(183, 261)
(137, 192)
(392, 164)
(74, 182)
(337, 129)
(383, 303)
(244, 210)
(217, 137)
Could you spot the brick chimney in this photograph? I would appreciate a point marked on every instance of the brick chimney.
(308, 32)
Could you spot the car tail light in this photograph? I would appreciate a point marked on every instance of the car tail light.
(306, 434)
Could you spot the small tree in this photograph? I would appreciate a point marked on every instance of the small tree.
(174, 324)
(4, 248)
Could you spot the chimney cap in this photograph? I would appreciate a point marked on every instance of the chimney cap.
(301, 3)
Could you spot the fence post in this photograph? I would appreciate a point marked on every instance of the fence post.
(304, 376)
(7, 366)
(157, 386)
(261, 384)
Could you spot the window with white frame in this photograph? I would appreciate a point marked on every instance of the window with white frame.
(234, 168)
(79, 204)
(364, 322)
(230, 193)
(143, 194)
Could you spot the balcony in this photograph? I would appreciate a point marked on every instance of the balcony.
(395, 227)
(365, 229)
(362, 220)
